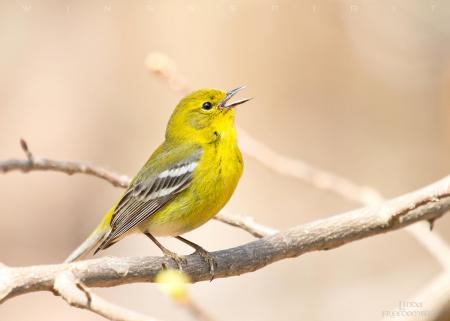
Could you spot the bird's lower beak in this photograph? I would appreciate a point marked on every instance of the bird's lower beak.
(225, 105)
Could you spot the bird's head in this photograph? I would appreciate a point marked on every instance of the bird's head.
(203, 114)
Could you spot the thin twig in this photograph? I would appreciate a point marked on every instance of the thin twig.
(427, 203)
(75, 294)
(247, 223)
(68, 167)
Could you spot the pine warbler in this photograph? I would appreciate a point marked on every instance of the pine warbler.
(186, 181)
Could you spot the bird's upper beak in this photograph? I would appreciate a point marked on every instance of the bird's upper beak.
(225, 105)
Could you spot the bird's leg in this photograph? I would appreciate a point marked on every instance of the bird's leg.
(174, 256)
(203, 253)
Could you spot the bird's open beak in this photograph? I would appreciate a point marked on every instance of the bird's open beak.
(225, 105)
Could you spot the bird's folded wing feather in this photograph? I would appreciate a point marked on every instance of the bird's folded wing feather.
(163, 177)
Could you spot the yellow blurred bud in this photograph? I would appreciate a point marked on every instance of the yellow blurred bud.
(173, 283)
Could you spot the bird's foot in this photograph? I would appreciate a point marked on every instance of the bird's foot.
(208, 259)
(178, 259)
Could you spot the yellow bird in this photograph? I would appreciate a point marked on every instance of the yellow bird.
(186, 181)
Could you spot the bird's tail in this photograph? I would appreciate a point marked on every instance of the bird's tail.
(93, 240)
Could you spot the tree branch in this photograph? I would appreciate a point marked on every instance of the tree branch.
(428, 203)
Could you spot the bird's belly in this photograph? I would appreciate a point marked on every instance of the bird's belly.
(194, 206)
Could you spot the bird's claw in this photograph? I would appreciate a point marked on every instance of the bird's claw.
(208, 259)
(178, 259)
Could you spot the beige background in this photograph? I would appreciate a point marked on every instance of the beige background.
(359, 88)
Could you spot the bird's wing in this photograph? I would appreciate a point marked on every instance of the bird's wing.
(164, 176)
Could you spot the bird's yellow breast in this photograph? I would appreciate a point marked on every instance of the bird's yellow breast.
(214, 182)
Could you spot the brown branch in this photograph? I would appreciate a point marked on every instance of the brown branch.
(428, 203)
(279, 163)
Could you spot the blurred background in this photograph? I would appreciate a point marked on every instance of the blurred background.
(359, 88)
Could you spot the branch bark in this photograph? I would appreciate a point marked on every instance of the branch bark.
(428, 203)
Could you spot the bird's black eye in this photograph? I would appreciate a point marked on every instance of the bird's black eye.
(207, 105)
